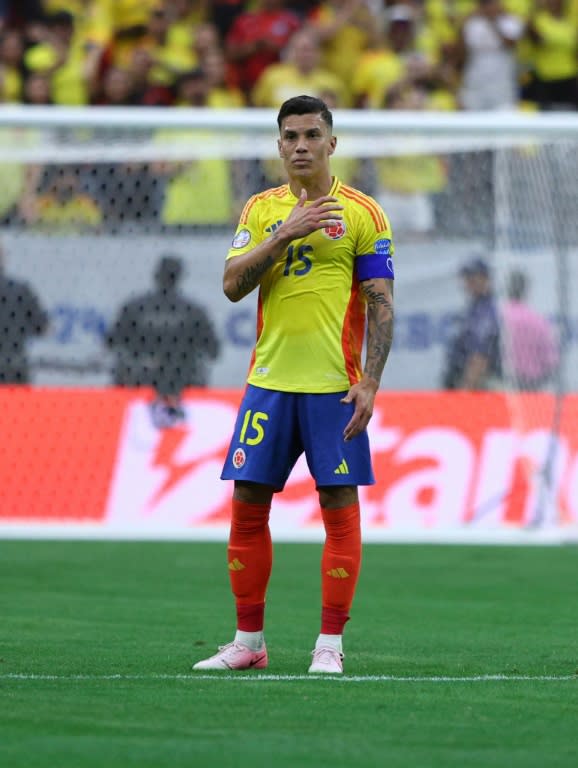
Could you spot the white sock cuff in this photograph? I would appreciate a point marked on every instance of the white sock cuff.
(253, 640)
(333, 641)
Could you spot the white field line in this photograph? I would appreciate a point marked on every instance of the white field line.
(254, 677)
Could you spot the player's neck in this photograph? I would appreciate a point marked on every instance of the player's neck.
(315, 187)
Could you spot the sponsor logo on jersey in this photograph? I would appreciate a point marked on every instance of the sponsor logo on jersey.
(334, 231)
(239, 458)
(261, 371)
(383, 247)
(241, 239)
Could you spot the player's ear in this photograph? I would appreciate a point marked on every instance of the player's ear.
(332, 144)
(279, 145)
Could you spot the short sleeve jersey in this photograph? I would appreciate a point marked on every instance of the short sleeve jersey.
(311, 309)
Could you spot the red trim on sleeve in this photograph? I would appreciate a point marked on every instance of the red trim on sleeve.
(370, 205)
(352, 333)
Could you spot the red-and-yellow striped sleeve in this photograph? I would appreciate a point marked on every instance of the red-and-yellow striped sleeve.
(370, 205)
(352, 334)
(248, 205)
(274, 192)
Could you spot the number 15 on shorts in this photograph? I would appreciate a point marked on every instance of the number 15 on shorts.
(252, 431)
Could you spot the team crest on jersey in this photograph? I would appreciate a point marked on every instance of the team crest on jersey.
(239, 458)
(241, 238)
(334, 231)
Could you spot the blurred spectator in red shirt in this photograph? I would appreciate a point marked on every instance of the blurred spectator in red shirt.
(257, 38)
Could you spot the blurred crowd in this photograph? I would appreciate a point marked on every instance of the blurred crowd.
(363, 54)
(450, 54)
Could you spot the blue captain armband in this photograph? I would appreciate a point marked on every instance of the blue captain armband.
(372, 265)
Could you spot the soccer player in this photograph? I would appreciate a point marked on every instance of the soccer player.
(320, 253)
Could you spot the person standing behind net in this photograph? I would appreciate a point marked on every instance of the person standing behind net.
(320, 253)
(473, 359)
(530, 345)
(22, 317)
(163, 340)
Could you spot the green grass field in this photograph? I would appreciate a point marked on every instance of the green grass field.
(97, 641)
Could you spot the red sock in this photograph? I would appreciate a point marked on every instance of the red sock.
(250, 557)
(340, 564)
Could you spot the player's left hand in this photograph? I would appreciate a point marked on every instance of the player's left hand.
(362, 395)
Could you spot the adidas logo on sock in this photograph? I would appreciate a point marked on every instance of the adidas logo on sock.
(338, 573)
(236, 565)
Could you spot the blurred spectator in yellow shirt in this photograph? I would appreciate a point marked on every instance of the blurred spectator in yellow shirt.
(169, 60)
(553, 31)
(130, 22)
(64, 207)
(185, 16)
(385, 62)
(223, 92)
(298, 72)
(345, 29)
(406, 182)
(198, 192)
(19, 180)
(61, 56)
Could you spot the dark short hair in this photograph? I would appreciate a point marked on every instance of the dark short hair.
(475, 266)
(305, 105)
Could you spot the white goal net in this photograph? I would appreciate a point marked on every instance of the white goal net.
(92, 200)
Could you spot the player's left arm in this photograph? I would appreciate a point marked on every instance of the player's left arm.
(379, 295)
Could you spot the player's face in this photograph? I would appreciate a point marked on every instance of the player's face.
(305, 145)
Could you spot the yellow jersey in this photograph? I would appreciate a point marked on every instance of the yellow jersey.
(311, 309)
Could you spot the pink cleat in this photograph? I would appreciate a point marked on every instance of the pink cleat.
(235, 656)
(326, 661)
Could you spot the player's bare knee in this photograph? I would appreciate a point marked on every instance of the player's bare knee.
(337, 496)
(252, 493)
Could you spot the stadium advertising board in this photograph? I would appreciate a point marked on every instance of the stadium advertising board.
(89, 462)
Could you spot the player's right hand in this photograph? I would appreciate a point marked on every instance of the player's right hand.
(305, 219)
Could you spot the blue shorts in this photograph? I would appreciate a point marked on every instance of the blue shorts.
(274, 428)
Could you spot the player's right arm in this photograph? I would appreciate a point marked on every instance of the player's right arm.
(244, 272)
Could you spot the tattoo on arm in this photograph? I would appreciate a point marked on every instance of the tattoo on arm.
(251, 276)
(379, 329)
